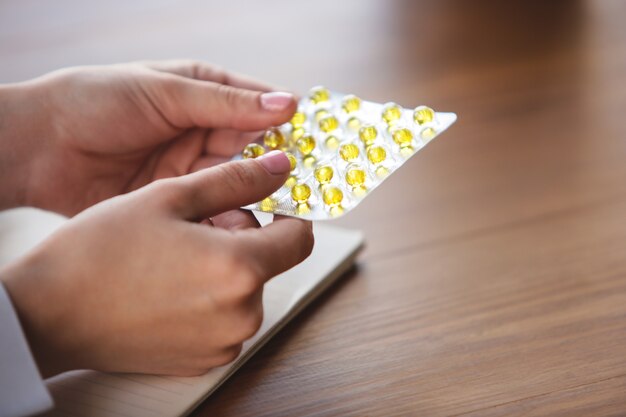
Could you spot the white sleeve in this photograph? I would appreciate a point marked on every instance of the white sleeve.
(22, 391)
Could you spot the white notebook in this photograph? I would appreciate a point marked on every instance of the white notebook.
(96, 394)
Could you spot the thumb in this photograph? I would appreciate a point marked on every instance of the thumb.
(190, 103)
(227, 186)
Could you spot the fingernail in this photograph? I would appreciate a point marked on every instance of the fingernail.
(275, 162)
(276, 101)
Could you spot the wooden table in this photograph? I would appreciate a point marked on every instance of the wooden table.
(494, 278)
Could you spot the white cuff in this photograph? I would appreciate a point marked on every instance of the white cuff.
(22, 391)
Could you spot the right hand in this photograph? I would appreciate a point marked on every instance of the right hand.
(138, 284)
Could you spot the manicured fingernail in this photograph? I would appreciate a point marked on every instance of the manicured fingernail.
(276, 101)
(275, 162)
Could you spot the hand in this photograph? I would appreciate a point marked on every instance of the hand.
(133, 284)
(81, 135)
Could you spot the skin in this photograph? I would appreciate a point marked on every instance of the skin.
(158, 272)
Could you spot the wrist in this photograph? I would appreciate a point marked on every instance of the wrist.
(20, 116)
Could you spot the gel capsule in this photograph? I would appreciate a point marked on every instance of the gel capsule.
(391, 113)
(309, 161)
(355, 176)
(349, 152)
(402, 136)
(306, 144)
(298, 119)
(324, 174)
(291, 181)
(332, 196)
(368, 134)
(376, 154)
(423, 114)
(300, 193)
(382, 171)
(297, 133)
(328, 124)
(292, 160)
(320, 114)
(332, 142)
(319, 94)
(267, 204)
(273, 138)
(428, 133)
(354, 124)
(351, 103)
(252, 150)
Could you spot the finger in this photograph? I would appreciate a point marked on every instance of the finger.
(236, 220)
(208, 162)
(278, 246)
(225, 187)
(180, 154)
(207, 72)
(228, 142)
(187, 103)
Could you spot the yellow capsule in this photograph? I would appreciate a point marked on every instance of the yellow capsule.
(320, 114)
(291, 181)
(407, 151)
(332, 143)
(391, 113)
(332, 196)
(324, 174)
(319, 94)
(382, 171)
(252, 150)
(336, 211)
(428, 133)
(355, 176)
(351, 103)
(309, 161)
(306, 144)
(349, 152)
(328, 124)
(297, 133)
(292, 160)
(303, 208)
(267, 204)
(376, 154)
(273, 138)
(368, 134)
(354, 124)
(359, 191)
(402, 136)
(301, 193)
(423, 114)
(298, 119)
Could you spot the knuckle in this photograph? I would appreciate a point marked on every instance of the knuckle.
(245, 282)
(170, 192)
(239, 174)
(228, 355)
(195, 68)
(251, 323)
(215, 73)
(162, 189)
(242, 283)
(230, 96)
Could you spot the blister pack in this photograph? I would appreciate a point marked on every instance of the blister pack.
(341, 148)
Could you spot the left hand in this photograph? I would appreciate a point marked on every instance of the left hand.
(82, 135)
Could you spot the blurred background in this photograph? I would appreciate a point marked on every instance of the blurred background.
(525, 78)
(523, 198)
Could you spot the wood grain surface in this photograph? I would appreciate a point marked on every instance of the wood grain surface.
(494, 278)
